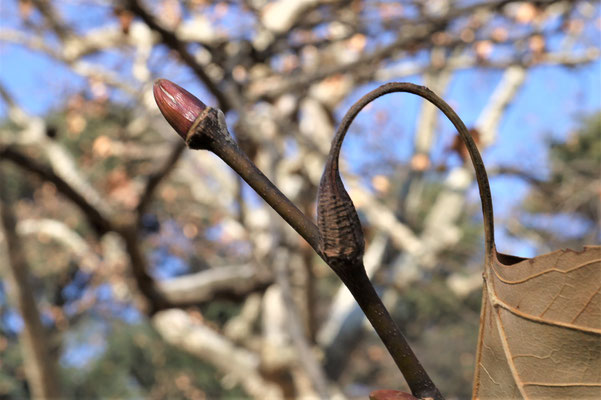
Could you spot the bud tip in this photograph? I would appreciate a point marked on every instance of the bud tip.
(179, 107)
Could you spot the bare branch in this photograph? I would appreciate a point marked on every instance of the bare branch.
(63, 234)
(238, 364)
(139, 266)
(40, 369)
(52, 18)
(303, 349)
(226, 281)
(173, 42)
(99, 222)
(155, 179)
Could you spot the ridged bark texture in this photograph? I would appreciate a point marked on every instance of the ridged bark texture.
(341, 241)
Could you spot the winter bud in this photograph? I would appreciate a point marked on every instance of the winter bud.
(179, 107)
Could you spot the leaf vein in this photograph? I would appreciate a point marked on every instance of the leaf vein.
(566, 384)
(489, 375)
(586, 304)
(498, 303)
(547, 271)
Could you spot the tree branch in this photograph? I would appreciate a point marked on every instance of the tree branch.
(173, 42)
(99, 222)
(58, 230)
(303, 349)
(52, 18)
(40, 369)
(179, 329)
(228, 281)
(139, 266)
(155, 178)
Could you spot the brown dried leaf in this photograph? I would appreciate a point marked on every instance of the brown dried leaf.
(540, 335)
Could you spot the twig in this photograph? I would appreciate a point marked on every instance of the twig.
(210, 132)
(139, 265)
(478, 164)
(343, 254)
(155, 178)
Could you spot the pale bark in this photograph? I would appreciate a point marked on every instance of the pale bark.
(237, 364)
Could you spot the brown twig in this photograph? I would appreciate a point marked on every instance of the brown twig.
(210, 132)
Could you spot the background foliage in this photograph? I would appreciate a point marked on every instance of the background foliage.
(175, 290)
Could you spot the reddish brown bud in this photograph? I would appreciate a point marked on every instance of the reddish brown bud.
(385, 394)
(179, 107)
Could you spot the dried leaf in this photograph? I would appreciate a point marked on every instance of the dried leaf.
(540, 331)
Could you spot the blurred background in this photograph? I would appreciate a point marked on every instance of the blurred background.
(134, 268)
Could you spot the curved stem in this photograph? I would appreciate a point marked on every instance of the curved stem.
(342, 228)
(481, 177)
